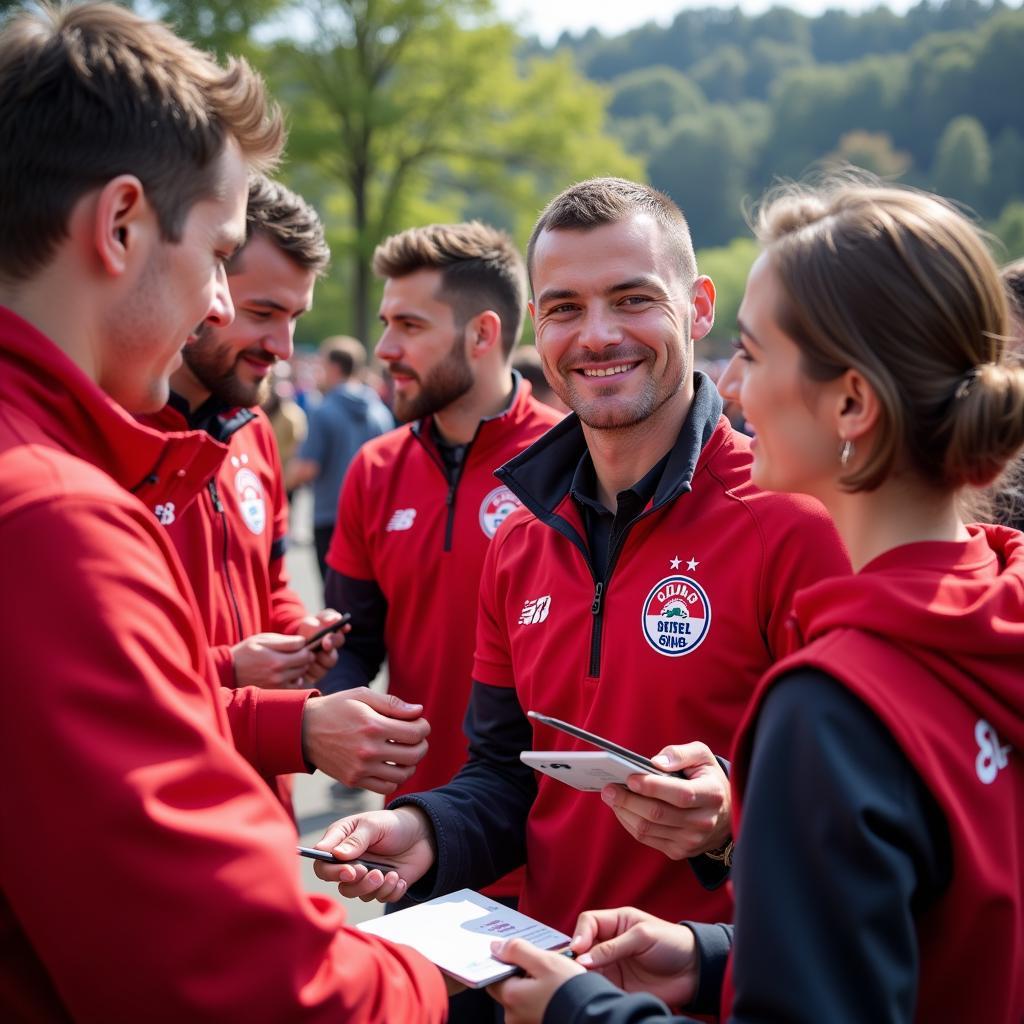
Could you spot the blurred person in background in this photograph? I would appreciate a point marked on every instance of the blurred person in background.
(349, 414)
(286, 417)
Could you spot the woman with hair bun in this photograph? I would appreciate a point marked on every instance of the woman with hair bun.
(878, 779)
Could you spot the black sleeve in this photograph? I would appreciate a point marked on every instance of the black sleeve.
(709, 872)
(360, 659)
(841, 847)
(479, 817)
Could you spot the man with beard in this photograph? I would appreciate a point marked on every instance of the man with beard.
(420, 504)
(231, 539)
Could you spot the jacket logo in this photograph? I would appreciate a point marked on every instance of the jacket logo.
(401, 519)
(249, 492)
(535, 611)
(676, 616)
(165, 513)
(992, 756)
(496, 508)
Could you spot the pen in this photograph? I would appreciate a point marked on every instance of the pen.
(308, 851)
(567, 953)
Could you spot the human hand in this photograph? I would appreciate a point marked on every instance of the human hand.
(526, 999)
(681, 818)
(363, 738)
(271, 660)
(325, 653)
(403, 837)
(639, 953)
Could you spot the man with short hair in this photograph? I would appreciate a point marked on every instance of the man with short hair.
(349, 415)
(640, 594)
(232, 538)
(164, 888)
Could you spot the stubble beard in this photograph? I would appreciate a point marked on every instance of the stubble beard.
(444, 384)
(204, 358)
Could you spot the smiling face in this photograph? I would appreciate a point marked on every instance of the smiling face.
(181, 286)
(796, 445)
(270, 292)
(422, 346)
(614, 319)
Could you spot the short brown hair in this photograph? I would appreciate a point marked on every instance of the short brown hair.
(480, 269)
(901, 286)
(288, 221)
(346, 353)
(91, 91)
(599, 201)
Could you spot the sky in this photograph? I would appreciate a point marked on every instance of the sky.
(548, 18)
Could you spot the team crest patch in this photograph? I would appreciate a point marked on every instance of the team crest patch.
(676, 616)
(496, 508)
(249, 491)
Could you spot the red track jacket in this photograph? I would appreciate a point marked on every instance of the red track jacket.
(145, 873)
(931, 637)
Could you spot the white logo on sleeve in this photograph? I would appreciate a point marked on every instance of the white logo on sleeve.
(535, 611)
(165, 513)
(401, 519)
(992, 756)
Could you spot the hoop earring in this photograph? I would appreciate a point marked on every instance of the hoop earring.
(847, 452)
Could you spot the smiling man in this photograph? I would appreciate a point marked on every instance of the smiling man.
(232, 538)
(640, 593)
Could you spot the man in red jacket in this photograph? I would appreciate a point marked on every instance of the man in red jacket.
(420, 505)
(231, 539)
(165, 887)
(640, 593)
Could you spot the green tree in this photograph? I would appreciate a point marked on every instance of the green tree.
(722, 75)
(659, 91)
(409, 106)
(1009, 229)
(963, 161)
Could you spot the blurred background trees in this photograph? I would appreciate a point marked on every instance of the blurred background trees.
(407, 111)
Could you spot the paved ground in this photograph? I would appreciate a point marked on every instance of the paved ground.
(313, 807)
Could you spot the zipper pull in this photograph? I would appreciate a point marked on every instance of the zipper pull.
(595, 608)
(212, 488)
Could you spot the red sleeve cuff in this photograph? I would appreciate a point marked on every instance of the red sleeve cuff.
(267, 727)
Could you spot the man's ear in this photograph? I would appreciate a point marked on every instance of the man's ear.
(483, 333)
(121, 221)
(857, 409)
(703, 307)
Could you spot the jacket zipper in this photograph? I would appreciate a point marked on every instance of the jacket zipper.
(600, 586)
(219, 509)
(453, 486)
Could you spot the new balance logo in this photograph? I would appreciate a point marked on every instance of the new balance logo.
(165, 513)
(401, 519)
(992, 755)
(535, 611)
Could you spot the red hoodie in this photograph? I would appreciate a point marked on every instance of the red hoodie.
(931, 637)
(146, 873)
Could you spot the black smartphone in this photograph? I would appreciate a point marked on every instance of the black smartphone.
(308, 851)
(603, 744)
(332, 628)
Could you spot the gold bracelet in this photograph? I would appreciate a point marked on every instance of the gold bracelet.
(723, 853)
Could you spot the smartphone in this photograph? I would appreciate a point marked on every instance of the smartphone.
(308, 851)
(642, 763)
(586, 770)
(327, 630)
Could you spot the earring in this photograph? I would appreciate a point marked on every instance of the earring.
(846, 453)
